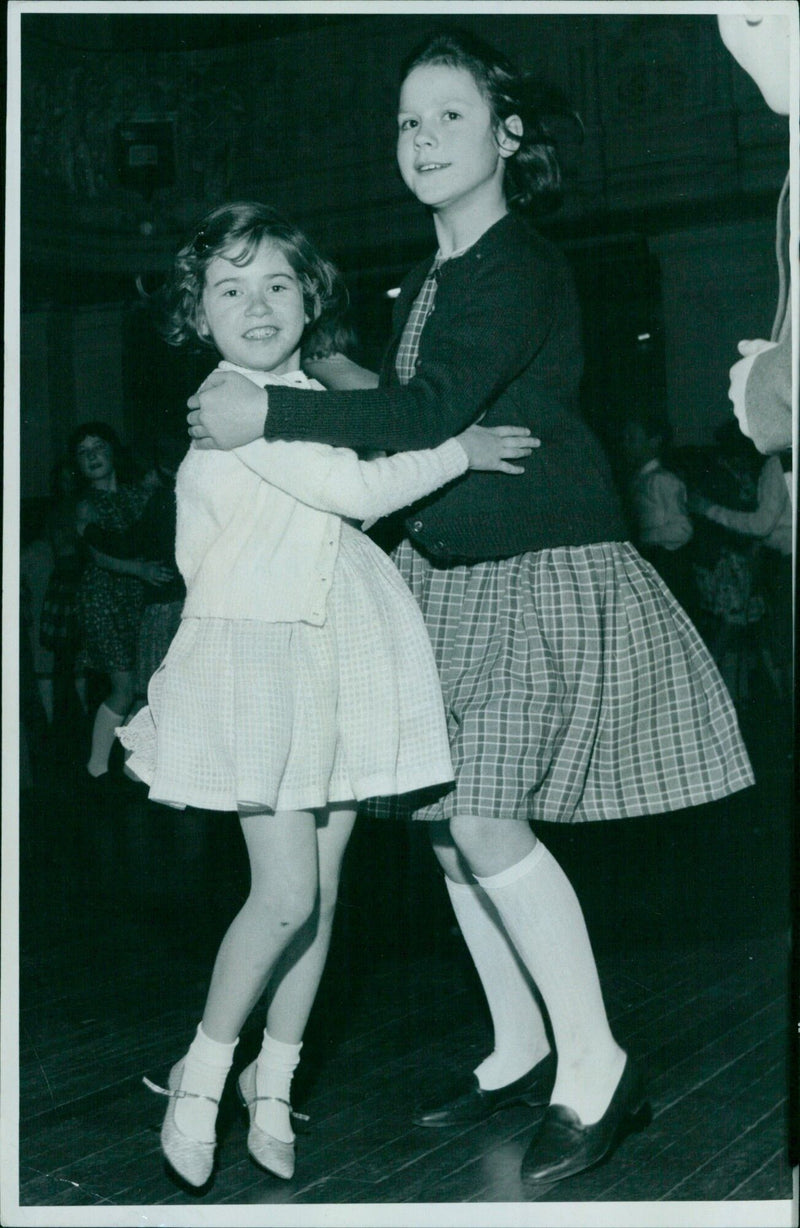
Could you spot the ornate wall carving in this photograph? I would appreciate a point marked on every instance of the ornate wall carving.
(307, 122)
(71, 112)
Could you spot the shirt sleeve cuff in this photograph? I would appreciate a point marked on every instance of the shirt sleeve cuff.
(454, 458)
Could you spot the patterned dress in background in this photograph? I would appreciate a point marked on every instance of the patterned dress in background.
(110, 605)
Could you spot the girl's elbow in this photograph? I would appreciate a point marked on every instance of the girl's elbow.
(358, 512)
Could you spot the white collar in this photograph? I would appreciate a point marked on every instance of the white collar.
(297, 379)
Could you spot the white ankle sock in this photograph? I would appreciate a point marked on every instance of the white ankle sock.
(105, 722)
(206, 1066)
(275, 1066)
(520, 1039)
(543, 918)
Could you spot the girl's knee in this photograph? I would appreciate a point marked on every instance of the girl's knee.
(286, 908)
(470, 835)
(474, 836)
(448, 855)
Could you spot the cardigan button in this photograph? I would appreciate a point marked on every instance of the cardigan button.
(417, 526)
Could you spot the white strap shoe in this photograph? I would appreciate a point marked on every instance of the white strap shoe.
(191, 1158)
(273, 1154)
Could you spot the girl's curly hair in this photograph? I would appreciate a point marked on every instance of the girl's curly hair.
(235, 231)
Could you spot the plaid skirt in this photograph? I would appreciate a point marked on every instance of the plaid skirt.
(290, 716)
(576, 688)
(58, 623)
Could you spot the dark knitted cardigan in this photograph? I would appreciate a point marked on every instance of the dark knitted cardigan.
(503, 340)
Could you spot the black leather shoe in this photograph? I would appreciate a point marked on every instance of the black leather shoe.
(473, 1104)
(563, 1146)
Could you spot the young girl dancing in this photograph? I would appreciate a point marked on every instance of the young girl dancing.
(301, 679)
(576, 688)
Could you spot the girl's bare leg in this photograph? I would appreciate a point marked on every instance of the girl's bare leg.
(295, 982)
(282, 849)
(299, 970)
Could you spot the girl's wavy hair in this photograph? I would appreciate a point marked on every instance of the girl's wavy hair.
(235, 231)
(533, 181)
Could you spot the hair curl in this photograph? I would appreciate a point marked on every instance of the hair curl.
(533, 181)
(235, 230)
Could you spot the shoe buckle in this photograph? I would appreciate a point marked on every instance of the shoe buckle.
(175, 1093)
(280, 1100)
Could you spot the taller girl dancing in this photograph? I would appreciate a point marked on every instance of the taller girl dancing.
(576, 687)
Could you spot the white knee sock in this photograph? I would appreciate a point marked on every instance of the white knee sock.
(520, 1039)
(206, 1066)
(275, 1065)
(543, 918)
(105, 722)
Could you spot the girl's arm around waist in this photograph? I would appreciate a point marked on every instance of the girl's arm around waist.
(335, 480)
(496, 311)
(486, 329)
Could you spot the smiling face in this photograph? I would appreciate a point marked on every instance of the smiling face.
(255, 312)
(446, 147)
(95, 459)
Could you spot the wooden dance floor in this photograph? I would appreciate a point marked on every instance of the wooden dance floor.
(123, 903)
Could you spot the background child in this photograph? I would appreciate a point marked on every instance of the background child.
(658, 503)
(151, 540)
(576, 687)
(59, 630)
(111, 592)
(301, 678)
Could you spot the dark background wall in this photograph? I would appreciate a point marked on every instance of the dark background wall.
(134, 125)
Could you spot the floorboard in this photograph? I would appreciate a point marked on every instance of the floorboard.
(689, 917)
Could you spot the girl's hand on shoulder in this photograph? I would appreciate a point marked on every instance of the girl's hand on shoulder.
(494, 448)
(228, 411)
(338, 372)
